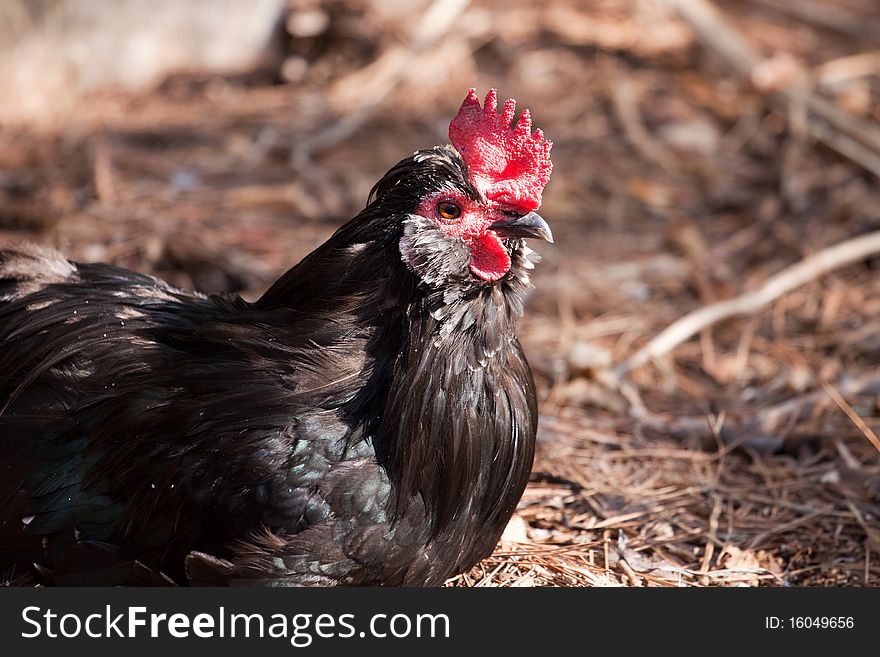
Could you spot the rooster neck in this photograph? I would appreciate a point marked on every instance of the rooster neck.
(457, 432)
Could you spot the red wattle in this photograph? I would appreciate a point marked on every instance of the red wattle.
(489, 259)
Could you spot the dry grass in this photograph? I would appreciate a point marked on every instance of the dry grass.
(745, 455)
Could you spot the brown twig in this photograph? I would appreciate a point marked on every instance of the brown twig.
(712, 534)
(846, 134)
(629, 572)
(852, 415)
(624, 94)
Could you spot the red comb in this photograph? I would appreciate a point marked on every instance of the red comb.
(508, 163)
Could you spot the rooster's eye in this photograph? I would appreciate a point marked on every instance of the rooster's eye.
(448, 210)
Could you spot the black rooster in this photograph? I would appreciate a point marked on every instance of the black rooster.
(370, 420)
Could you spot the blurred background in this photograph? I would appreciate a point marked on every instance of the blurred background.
(700, 148)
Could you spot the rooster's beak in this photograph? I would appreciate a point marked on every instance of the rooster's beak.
(528, 225)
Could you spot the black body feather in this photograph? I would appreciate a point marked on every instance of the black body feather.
(369, 420)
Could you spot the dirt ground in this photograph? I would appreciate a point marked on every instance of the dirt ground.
(689, 170)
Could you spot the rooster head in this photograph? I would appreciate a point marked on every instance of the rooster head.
(469, 206)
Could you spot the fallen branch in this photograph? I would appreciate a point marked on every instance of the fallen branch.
(804, 271)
